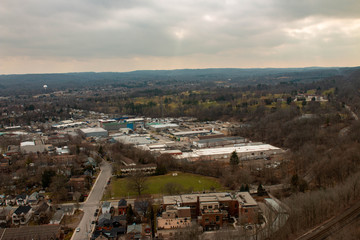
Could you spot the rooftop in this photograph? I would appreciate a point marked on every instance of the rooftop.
(190, 132)
(245, 199)
(92, 130)
(30, 232)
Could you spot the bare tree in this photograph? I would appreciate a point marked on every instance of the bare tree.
(138, 182)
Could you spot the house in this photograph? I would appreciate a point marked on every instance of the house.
(90, 162)
(58, 216)
(40, 210)
(10, 200)
(105, 208)
(33, 198)
(122, 206)
(145, 231)
(21, 199)
(110, 227)
(138, 231)
(5, 215)
(133, 231)
(68, 209)
(22, 215)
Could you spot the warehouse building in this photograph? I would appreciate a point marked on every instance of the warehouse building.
(94, 132)
(221, 141)
(162, 126)
(245, 152)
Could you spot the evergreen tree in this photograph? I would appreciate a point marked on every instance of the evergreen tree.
(130, 215)
(247, 189)
(261, 191)
(234, 159)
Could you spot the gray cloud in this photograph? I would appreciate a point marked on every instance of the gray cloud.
(231, 31)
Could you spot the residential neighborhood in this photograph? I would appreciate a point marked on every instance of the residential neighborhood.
(63, 161)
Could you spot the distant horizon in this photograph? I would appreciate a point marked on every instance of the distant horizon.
(176, 69)
(123, 36)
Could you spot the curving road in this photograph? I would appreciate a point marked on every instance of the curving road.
(92, 202)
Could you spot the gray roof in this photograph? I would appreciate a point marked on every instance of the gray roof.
(22, 209)
(58, 215)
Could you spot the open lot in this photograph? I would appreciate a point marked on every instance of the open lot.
(179, 183)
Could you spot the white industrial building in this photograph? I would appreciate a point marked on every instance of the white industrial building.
(94, 132)
(245, 152)
(158, 127)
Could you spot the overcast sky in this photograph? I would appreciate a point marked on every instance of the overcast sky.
(44, 36)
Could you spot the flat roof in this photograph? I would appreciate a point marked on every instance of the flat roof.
(133, 140)
(190, 132)
(171, 152)
(172, 199)
(246, 199)
(153, 146)
(135, 120)
(240, 149)
(189, 198)
(28, 143)
(210, 140)
(166, 125)
(92, 130)
(203, 199)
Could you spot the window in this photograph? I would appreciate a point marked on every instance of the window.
(207, 220)
(217, 218)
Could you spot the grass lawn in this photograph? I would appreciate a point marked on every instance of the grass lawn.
(155, 184)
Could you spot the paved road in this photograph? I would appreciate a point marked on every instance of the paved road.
(92, 202)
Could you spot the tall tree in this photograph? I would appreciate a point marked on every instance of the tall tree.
(138, 182)
(234, 159)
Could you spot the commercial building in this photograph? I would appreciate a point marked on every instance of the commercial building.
(171, 220)
(114, 126)
(244, 151)
(191, 133)
(162, 126)
(212, 210)
(35, 147)
(134, 139)
(221, 141)
(94, 132)
(135, 123)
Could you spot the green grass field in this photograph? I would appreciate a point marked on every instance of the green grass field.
(184, 182)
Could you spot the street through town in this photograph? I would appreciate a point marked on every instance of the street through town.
(93, 202)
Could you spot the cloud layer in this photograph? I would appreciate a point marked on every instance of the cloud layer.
(119, 35)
